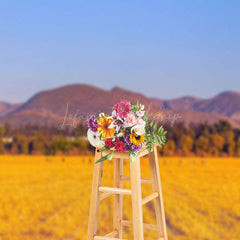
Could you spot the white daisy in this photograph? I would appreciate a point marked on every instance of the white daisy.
(101, 114)
(94, 138)
(138, 129)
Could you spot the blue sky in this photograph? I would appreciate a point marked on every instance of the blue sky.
(163, 49)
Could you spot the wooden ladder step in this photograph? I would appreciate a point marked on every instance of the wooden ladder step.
(106, 238)
(148, 226)
(143, 180)
(112, 234)
(115, 190)
(150, 198)
(104, 195)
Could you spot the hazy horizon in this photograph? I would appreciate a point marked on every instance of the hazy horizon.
(189, 95)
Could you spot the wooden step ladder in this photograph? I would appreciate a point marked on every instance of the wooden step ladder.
(100, 192)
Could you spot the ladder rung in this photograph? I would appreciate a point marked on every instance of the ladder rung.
(106, 238)
(143, 153)
(145, 225)
(115, 190)
(150, 198)
(161, 238)
(143, 180)
(111, 234)
(104, 195)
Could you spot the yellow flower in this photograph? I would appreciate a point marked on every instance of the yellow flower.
(103, 128)
(137, 139)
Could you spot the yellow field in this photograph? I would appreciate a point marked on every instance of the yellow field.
(48, 198)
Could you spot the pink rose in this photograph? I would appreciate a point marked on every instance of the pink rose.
(122, 108)
(130, 120)
(141, 122)
(140, 113)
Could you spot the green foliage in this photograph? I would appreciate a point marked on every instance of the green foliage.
(104, 148)
(106, 157)
(145, 118)
(132, 156)
(136, 107)
(149, 141)
(155, 135)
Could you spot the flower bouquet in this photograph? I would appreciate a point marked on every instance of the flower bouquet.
(126, 130)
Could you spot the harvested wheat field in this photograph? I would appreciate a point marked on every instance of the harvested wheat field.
(48, 198)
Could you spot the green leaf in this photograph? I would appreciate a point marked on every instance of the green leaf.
(138, 104)
(155, 127)
(160, 130)
(162, 139)
(132, 156)
(145, 117)
(158, 141)
(104, 148)
(151, 124)
(108, 156)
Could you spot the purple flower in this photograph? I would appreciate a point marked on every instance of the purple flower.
(126, 148)
(136, 148)
(127, 140)
(92, 124)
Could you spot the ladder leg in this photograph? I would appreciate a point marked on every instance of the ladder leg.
(117, 199)
(159, 208)
(135, 176)
(95, 197)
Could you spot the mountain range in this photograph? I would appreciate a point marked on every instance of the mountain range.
(7, 107)
(77, 101)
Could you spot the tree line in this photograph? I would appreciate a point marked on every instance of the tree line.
(204, 139)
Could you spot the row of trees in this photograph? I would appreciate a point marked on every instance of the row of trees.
(36, 140)
(219, 139)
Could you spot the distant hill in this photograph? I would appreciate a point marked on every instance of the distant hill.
(49, 107)
(226, 103)
(181, 104)
(8, 107)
